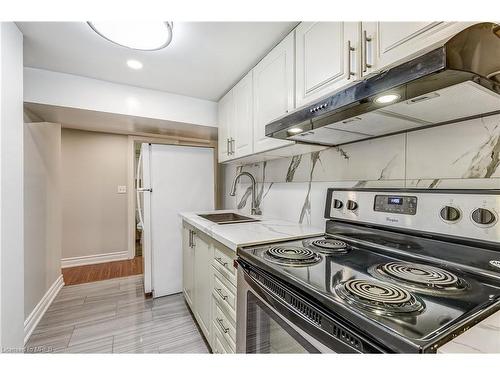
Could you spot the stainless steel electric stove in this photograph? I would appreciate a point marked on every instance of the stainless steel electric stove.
(396, 271)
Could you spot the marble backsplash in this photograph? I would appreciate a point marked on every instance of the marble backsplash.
(463, 155)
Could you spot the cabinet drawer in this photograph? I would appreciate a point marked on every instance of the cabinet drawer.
(225, 294)
(223, 263)
(225, 324)
(220, 344)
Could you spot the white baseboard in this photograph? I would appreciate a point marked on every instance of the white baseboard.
(94, 259)
(34, 318)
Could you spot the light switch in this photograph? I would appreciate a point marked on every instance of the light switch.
(122, 189)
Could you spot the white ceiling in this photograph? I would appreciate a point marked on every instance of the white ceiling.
(204, 59)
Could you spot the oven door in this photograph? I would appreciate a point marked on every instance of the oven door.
(266, 325)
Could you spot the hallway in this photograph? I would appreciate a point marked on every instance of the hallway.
(113, 316)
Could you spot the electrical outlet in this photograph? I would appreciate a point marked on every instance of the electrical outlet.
(122, 189)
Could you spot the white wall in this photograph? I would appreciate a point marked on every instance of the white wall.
(11, 188)
(95, 220)
(42, 211)
(67, 90)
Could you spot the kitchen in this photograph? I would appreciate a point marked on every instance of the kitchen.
(332, 189)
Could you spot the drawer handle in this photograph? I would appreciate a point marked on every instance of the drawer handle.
(220, 261)
(220, 321)
(219, 292)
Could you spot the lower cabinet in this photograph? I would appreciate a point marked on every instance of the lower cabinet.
(209, 287)
(188, 265)
(202, 281)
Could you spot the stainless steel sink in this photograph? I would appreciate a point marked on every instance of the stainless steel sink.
(227, 218)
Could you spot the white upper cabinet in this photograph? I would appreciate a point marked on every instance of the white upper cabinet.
(273, 91)
(385, 43)
(327, 58)
(225, 122)
(242, 142)
(235, 112)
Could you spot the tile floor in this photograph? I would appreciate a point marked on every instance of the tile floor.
(112, 316)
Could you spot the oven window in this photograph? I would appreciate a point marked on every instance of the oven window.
(268, 333)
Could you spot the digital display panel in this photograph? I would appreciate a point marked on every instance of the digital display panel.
(395, 200)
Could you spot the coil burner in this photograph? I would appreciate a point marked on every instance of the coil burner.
(420, 277)
(330, 246)
(292, 256)
(379, 298)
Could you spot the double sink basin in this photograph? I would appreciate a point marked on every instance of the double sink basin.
(227, 218)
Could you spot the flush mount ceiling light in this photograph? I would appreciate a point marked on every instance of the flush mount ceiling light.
(144, 36)
(387, 98)
(295, 130)
(134, 64)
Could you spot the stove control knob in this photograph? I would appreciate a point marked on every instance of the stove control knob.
(337, 203)
(351, 205)
(483, 216)
(449, 213)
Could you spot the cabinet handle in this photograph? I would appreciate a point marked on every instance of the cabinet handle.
(232, 145)
(366, 39)
(221, 262)
(219, 292)
(350, 49)
(190, 240)
(227, 147)
(220, 321)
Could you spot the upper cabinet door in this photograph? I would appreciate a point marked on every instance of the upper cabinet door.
(326, 58)
(242, 134)
(273, 91)
(386, 43)
(225, 120)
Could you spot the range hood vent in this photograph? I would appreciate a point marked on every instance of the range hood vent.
(459, 80)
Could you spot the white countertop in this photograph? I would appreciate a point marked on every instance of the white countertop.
(484, 337)
(251, 233)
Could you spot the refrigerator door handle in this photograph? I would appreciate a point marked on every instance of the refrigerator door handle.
(139, 190)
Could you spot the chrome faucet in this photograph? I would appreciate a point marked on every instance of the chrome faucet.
(255, 210)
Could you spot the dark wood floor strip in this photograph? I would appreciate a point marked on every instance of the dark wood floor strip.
(102, 271)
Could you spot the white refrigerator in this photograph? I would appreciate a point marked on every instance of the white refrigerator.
(170, 179)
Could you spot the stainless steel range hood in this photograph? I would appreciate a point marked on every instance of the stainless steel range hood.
(456, 81)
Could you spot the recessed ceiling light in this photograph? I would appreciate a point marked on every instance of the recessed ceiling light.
(387, 98)
(295, 130)
(134, 64)
(145, 36)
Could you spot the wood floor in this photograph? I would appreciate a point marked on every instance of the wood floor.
(103, 271)
(113, 316)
